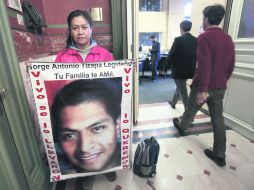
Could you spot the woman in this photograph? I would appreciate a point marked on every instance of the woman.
(79, 45)
(81, 48)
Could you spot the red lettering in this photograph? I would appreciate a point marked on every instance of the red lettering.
(43, 114)
(47, 141)
(127, 71)
(40, 96)
(45, 125)
(125, 147)
(55, 171)
(52, 157)
(46, 131)
(127, 91)
(127, 84)
(125, 152)
(53, 162)
(50, 147)
(43, 107)
(53, 166)
(125, 137)
(125, 130)
(126, 121)
(38, 82)
(51, 152)
(125, 142)
(56, 178)
(39, 89)
(125, 157)
(37, 74)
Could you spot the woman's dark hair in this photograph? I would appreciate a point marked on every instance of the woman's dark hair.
(106, 91)
(186, 25)
(214, 14)
(70, 17)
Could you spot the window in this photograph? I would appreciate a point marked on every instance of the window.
(144, 39)
(246, 27)
(150, 5)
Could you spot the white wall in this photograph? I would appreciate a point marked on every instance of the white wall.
(197, 15)
(165, 22)
(153, 22)
(175, 17)
(168, 22)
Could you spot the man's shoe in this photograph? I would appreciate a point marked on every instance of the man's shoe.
(218, 160)
(177, 125)
(111, 176)
(182, 117)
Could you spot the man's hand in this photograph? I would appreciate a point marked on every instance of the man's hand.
(202, 97)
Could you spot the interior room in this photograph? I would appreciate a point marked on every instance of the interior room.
(35, 31)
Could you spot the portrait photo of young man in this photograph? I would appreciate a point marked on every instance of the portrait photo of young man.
(85, 117)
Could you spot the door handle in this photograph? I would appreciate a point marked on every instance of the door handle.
(2, 92)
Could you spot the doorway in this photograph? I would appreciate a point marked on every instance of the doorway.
(160, 18)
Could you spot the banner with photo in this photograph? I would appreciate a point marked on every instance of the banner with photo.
(84, 112)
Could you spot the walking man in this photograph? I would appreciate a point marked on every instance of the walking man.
(182, 55)
(215, 64)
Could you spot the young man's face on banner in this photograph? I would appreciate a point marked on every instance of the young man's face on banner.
(88, 135)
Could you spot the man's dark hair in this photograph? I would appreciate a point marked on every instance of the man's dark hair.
(106, 91)
(152, 37)
(214, 14)
(186, 25)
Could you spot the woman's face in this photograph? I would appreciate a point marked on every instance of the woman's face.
(88, 135)
(81, 32)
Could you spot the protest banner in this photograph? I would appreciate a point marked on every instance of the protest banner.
(83, 111)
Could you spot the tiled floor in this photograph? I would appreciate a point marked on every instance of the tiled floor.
(182, 164)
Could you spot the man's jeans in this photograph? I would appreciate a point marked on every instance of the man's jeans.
(154, 65)
(181, 90)
(215, 105)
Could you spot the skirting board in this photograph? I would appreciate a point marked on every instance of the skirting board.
(239, 126)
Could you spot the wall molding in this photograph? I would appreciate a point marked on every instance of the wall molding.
(244, 51)
(243, 76)
(243, 41)
(243, 128)
(244, 65)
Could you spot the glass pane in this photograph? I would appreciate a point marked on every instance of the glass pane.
(246, 27)
(144, 39)
(150, 5)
